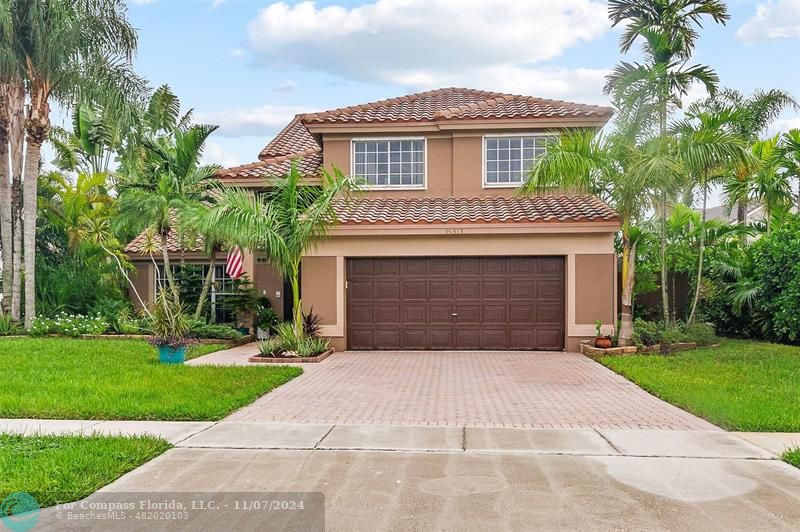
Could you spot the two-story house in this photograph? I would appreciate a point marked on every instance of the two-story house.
(439, 252)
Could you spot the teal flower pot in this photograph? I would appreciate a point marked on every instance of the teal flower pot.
(172, 355)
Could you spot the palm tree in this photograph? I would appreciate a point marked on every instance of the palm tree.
(172, 182)
(669, 29)
(755, 113)
(70, 51)
(618, 170)
(788, 158)
(707, 148)
(284, 223)
(91, 144)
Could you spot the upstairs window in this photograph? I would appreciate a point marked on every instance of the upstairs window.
(508, 158)
(390, 163)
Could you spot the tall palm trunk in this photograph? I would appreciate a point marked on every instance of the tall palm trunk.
(662, 126)
(37, 127)
(206, 286)
(700, 254)
(628, 277)
(297, 311)
(6, 227)
(16, 142)
(168, 270)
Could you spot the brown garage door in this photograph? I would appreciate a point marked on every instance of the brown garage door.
(455, 303)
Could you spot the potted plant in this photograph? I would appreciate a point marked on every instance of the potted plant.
(243, 302)
(169, 325)
(601, 341)
(266, 319)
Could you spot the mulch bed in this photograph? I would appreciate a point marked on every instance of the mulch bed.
(262, 359)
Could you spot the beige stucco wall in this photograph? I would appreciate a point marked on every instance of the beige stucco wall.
(318, 287)
(594, 285)
(454, 162)
(582, 252)
(269, 284)
(144, 281)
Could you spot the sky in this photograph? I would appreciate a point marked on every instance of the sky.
(250, 65)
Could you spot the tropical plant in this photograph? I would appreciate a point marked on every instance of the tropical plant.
(788, 157)
(71, 52)
(169, 324)
(172, 183)
(669, 31)
(619, 170)
(708, 148)
(754, 114)
(284, 223)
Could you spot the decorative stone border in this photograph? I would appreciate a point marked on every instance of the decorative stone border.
(258, 359)
(591, 351)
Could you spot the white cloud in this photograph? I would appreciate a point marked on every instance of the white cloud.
(216, 3)
(784, 124)
(261, 121)
(418, 43)
(286, 86)
(776, 19)
(215, 153)
(237, 53)
(141, 2)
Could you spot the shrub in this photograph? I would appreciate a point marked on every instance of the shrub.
(169, 323)
(266, 318)
(312, 346)
(312, 323)
(287, 336)
(645, 333)
(669, 336)
(68, 325)
(201, 329)
(701, 333)
(9, 327)
(270, 347)
(114, 311)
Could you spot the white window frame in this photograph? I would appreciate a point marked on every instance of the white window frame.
(484, 182)
(423, 186)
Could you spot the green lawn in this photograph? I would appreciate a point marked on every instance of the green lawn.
(792, 457)
(64, 378)
(741, 385)
(58, 469)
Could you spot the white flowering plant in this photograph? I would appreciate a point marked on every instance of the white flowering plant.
(66, 324)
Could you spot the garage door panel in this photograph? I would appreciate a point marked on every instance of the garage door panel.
(468, 338)
(456, 303)
(387, 289)
(521, 289)
(495, 289)
(414, 313)
(360, 290)
(495, 314)
(440, 289)
(440, 338)
(550, 289)
(521, 313)
(468, 314)
(440, 266)
(549, 314)
(414, 266)
(468, 289)
(494, 338)
(495, 265)
(413, 338)
(440, 314)
(414, 290)
(356, 267)
(549, 338)
(387, 314)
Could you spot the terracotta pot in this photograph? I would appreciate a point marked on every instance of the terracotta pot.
(603, 342)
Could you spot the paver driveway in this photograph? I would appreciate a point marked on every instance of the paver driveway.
(484, 389)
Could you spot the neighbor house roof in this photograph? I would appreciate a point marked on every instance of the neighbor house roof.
(544, 209)
(141, 243)
(308, 164)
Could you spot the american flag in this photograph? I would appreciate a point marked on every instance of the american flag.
(234, 267)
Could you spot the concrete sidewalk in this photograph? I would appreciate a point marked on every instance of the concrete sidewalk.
(585, 442)
(172, 431)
